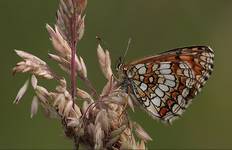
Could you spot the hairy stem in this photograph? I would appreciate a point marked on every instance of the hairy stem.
(73, 73)
(73, 43)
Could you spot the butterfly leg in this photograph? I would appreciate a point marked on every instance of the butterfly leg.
(126, 102)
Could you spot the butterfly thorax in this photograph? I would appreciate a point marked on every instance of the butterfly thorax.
(124, 74)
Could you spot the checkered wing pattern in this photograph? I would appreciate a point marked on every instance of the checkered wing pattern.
(165, 84)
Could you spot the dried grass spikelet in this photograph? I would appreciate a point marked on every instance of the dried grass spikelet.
(105, 62)
(58, 103)
(59, 43)
(33, 65)
(21, 92)
(67, 10)
(34, 106)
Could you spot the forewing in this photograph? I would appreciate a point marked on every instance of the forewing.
(165, 84)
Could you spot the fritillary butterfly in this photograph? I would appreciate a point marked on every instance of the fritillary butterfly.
(165, 84)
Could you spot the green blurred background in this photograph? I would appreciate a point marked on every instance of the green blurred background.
(154, 26)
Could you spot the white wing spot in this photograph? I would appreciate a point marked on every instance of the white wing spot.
(155, 66)
(139, 66)
(142, 70)
(163, 87)
(185, 92)
(198, 85)
(186, 73)
(156, 101)
(180, 100)
(169, 77)
(161, 80)
(151, 79)
(164, 66)
(175, 108)
(189, 83)
(205, 54)
(165, 71)
(153, 95)
(170, 83)
(204, 58)
(141, 78)
(202, 63)
(210, 61)
(183, 66)
(147, 102)
(211, 54)
(153, 110)
(159, 92)
(143, 86)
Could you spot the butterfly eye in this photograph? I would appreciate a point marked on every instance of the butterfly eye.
(130, 73)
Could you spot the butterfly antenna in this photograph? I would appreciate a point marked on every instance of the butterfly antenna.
(127, 48)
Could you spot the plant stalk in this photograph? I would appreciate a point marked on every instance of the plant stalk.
(73, 43)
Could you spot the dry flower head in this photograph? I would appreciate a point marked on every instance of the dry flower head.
(101, 122)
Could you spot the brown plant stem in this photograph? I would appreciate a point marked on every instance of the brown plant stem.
(73, 74)
(73, 45)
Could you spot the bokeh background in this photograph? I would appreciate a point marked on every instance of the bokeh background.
(154, 26)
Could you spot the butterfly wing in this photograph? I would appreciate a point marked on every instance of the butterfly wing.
(166, 83)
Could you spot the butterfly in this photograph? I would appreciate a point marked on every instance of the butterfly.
(165, 84)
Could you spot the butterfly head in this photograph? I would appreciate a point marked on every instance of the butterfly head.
(119, 64)
(124, 71)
